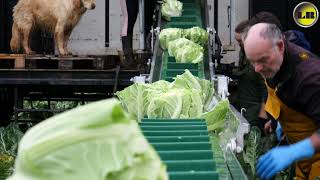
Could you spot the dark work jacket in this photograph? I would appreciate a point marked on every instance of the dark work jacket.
(298, 81)
(251, 90)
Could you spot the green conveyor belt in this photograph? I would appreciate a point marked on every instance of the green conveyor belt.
(185, 145)
(191, 17)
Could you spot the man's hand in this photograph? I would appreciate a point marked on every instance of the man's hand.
(268, 128)
(280, 158)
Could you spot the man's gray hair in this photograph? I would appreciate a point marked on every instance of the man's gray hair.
(270, 31)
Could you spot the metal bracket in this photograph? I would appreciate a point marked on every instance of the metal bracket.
(142, 78)
(154, 32)
(223, 86)
(237, 144)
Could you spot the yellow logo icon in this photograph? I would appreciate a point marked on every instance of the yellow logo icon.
(304, 56)
(305, 14)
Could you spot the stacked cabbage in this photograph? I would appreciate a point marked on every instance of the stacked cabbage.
(186, 45)
(186, 97)
(195, 34)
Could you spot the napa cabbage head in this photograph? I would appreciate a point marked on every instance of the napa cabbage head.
(135, 99)
(176, 103)
(189, 54)
(96, 141)
(189, 81)
(177, 44)
(171, 8)
(186, 97)
(169, 34)
(185, 51)
(216, 118)
(136, 95)
(197, 35)
(166, 105)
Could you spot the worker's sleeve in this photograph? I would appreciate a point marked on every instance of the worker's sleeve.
(308, 89)
(263, 90)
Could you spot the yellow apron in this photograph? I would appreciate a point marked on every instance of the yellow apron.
(296, 127)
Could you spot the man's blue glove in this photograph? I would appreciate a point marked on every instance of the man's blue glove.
(279, 132)
(280, 158)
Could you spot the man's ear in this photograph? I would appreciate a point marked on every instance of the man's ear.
(77, 3)
(280, 45)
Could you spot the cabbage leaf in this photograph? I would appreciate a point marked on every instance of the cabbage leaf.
(95, 141)
(171, 8)
(185, 51)
(169, 34)
(186, 97)
(197, 35)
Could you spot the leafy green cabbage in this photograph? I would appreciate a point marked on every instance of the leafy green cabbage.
(185, 51)
(96, 141)
(216, 117)
(171, 8)
(166, 105)
(197, 35)
(176, 103)
(136, 93)
(175, 45)
(188, 81)
(136, 98)
(9, 139)
(253, 148)
(189, 54)
(186, 97)
(6, 165)
(169, 34)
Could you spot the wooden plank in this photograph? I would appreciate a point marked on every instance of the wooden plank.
(11, 56)
(40, 61)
